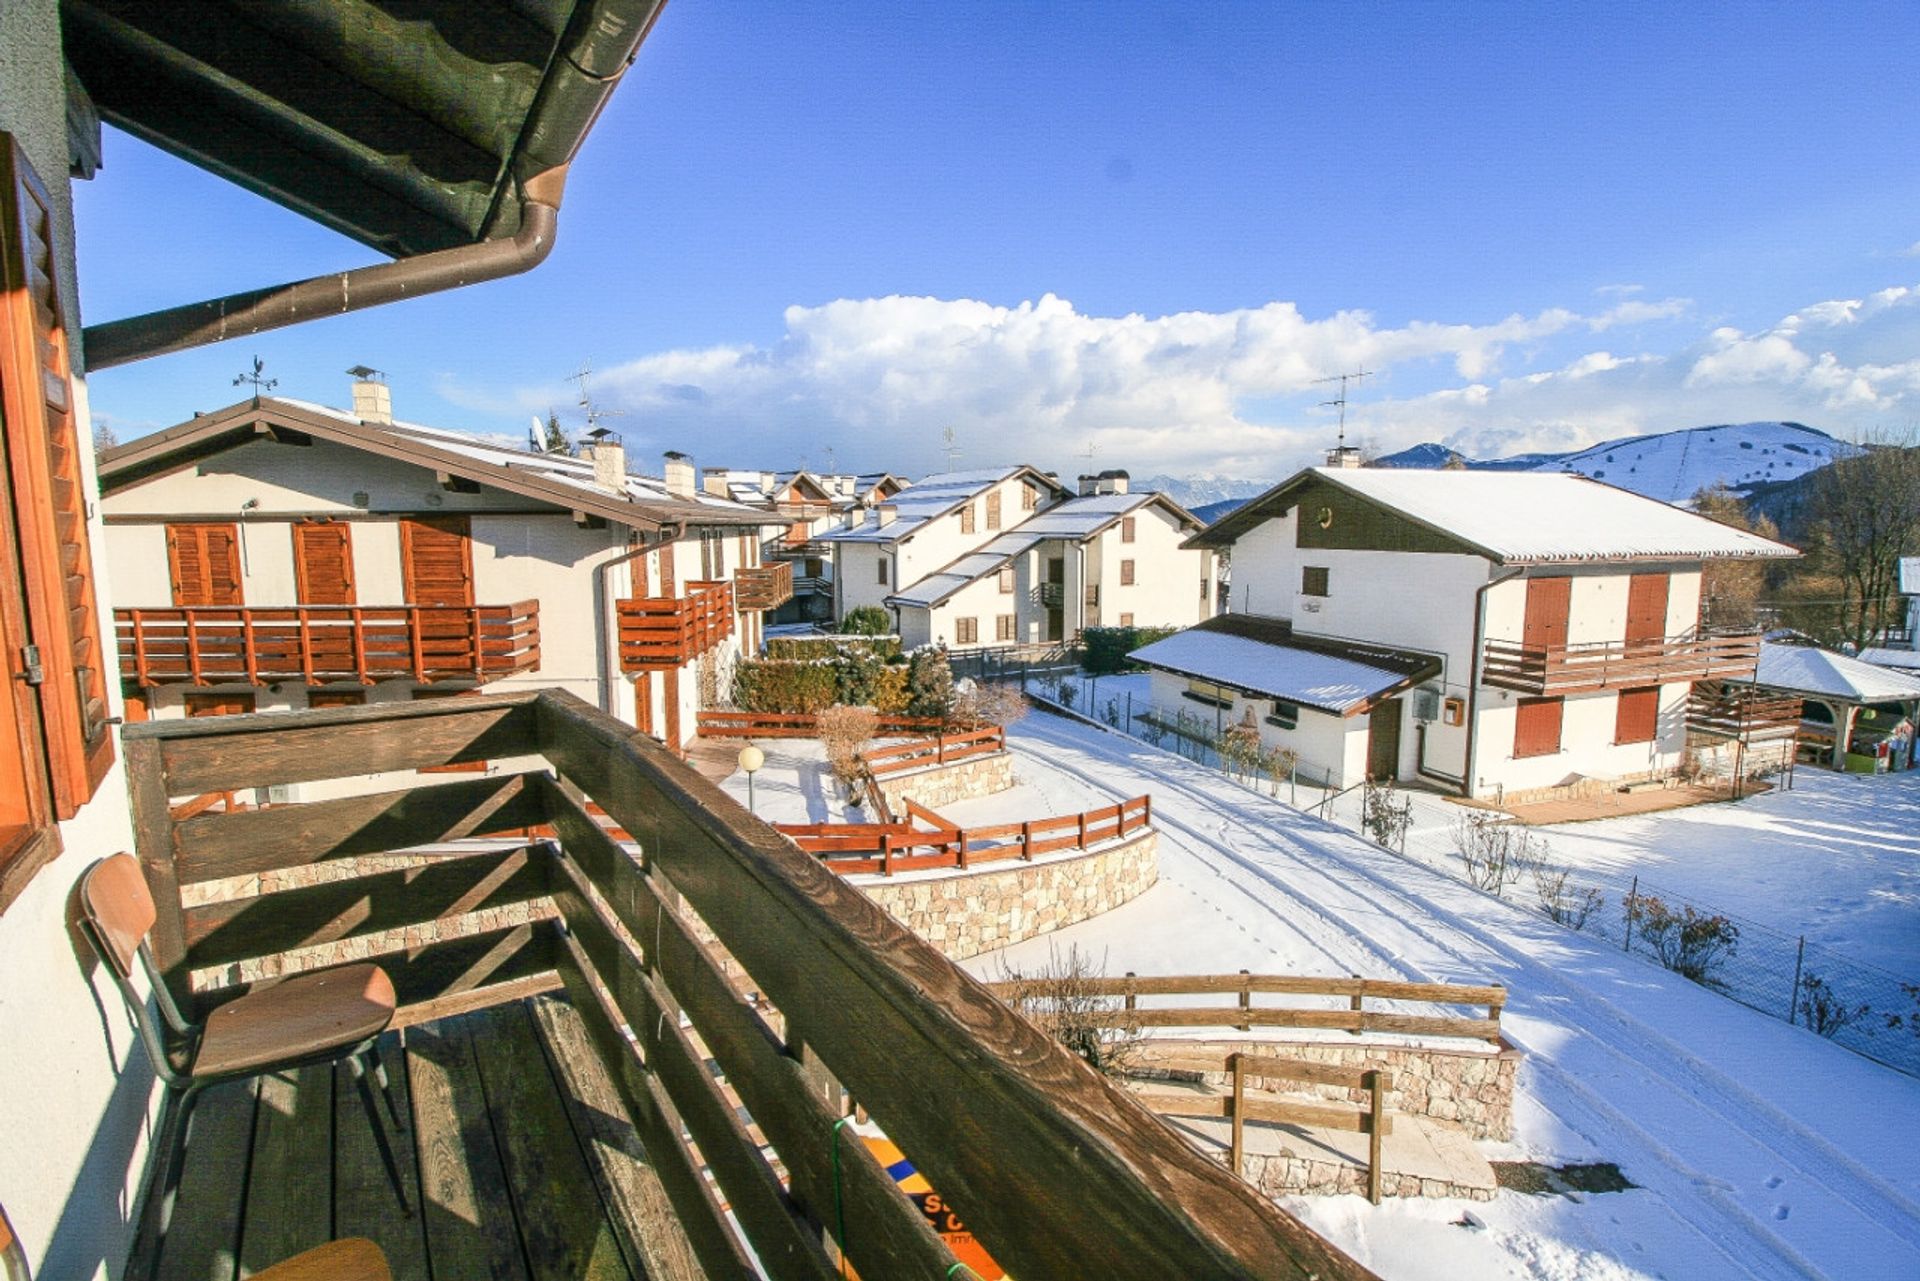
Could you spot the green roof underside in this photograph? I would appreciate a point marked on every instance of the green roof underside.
(404, 124)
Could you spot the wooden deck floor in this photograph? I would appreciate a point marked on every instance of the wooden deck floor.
(517, 1158)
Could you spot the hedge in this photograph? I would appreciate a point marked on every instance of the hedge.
(1107, 647)
(917, 684)
(802, 648)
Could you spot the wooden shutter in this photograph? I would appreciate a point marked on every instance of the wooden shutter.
(319, 698)
(204, 562)
(1548, 601)
(1536, 726)
(1003, 627)
(1126, 573)
(1126, 529)
(966, 519)
(436, 556)
(666, 570)
(1646, 610)
(993, 510)
(49, 490)
(1638, 715)
(323, 562)
(238, 704)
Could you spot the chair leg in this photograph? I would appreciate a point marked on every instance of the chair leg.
(386, 1086)
(359, 1071)
(157, 1215)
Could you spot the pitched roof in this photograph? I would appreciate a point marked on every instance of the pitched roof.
(931, 498)
(1900, 660)
(564, 481)
(1517, 517)
(1807, 669)
(1264, 658)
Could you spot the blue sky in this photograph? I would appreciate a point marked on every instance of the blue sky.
(1144, 230)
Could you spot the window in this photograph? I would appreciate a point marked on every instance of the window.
(219, 704)
(1638, 715)
(881, 568)
(1003, 627)
(966, 519)
(204, 562)
(1126, 529)
(55, 742)
(993, 510)
(1313, 580)
(323, 562)
(1126, 620)
(1029, 498)
(1126, 573)
(966, 631)
(1006, 581)
(1207, 692)
(1536, 727)
(1284, 714)
(318, 698)
(812, 567)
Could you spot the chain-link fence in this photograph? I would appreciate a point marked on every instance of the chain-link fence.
(1871, 1011)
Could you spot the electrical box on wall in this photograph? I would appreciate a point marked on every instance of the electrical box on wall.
(1426, 705)
(1454, 711)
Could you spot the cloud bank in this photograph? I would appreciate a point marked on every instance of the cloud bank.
(878, 381)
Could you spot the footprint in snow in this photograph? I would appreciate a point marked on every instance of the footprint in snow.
(1780, 1212)
(1774, 1182)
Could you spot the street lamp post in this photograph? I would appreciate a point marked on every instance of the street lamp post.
(751, 759)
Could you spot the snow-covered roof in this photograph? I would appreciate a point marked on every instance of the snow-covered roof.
(1317, 676)
(926, 500)
(1910, 575)
(1900, 660)
(1521, 517)
(1806, 669)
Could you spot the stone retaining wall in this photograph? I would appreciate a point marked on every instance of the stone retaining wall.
(971, 912)
(1472, 1089)
(1290, 1172)
(938, 785)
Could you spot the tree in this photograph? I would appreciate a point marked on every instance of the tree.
(103, 438)
(1730, 589)
(1865, 515)
(867, 620)
(556, 438)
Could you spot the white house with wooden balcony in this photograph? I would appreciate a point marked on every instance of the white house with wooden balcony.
(1110, 558)
(315, 557)
(1491, 632)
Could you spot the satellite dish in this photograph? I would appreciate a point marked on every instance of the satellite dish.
(537, 436)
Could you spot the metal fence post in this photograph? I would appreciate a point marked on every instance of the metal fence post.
(1799, 959)
(1626, 944)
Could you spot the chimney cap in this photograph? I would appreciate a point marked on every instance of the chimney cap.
(677, 456)
(367, 373)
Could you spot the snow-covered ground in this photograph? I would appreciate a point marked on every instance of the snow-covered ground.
(1760, 1150)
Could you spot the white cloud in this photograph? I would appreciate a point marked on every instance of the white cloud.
(1235, 392)
(1911, 251)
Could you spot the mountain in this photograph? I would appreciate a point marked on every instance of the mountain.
(1210, 512)
(1202, 489)
(1673, 466)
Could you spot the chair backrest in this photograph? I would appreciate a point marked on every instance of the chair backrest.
(13, 1259)
(115, 897)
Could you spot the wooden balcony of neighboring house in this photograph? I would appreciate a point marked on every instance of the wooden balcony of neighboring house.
(1583, 668)
(1741, 712)
(616, 1060)
(257, 645)
(764, 587)
(1052, 595)
(659, 632)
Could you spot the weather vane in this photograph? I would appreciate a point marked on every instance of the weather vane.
(258, 378)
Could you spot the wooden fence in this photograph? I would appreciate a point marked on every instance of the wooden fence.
(1059, 1172)
(892, 847)
(942, 749)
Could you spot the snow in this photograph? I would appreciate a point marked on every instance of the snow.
(1303, 676)
(1674, 466)
(1533, 516)
(1807, 669)
(1906, 660)
(928, 499)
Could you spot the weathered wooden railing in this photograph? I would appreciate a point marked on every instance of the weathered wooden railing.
(764, 587)
(890, 847)
(1737, 710)
(942, 749)
(206, 645)
(1573, 669)
(669, 631)
(1123, 1009)
(1058, 1173)
(716, 723)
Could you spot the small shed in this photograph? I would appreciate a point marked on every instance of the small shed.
(1870, 711)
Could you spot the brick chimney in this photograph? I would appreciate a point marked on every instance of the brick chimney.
(679, 474)
(372, 398)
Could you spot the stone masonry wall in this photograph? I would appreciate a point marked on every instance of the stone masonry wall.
(1472, 1089)
(1290, 1171)
(939, 785)
(971, 912)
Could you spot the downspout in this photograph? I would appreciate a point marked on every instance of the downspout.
(1473, 673)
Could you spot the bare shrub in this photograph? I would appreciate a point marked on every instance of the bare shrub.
(1691, 944)
(1384, 820)
(1061, 1000)
(1066, 692)
(1569, 904)
(1826, 1012)
(845, 732)
(1495, 850)
(980, 703)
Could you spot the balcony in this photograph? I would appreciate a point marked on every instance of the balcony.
(1736, 711)
(566, 1001)
(658, 632)
(209, 645)
(1053, 595)
(1581, 669)
(764, 587)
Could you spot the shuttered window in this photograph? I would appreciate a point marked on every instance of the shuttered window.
(238, 704)
(1638, 715)
(204, 563)
(437, 560)
(323, 562)
(1536, 727)
(966, 631)
(1126, 573)
(1003, 627)
(49, 587)
(1313, 580)
(1006, 581)
(1029, 498)
(993, 510)
(1127, 529)
(319, 698)
(1126, 620)
(1544, 626)
(966, 519)
(1647, 610)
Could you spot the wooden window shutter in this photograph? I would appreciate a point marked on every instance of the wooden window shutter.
(1127, 529)
(204, 561)
(1548, 602)
(993, 510)
(1126, 573)
(1646, 609)
(437, 559)
(1638, 717)
(966, 519)
(49, 482)
(218, 704)
(1536, 726)
(323, 562)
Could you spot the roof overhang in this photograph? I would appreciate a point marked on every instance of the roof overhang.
(1373, 673)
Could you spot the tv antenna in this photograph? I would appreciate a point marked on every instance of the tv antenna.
(830, 460)
(1341, 399)
(594, 413)
(257, 376)
(953, 450)
(1089, 452)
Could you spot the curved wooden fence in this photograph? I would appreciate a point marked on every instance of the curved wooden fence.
(942, 749)
(887, 848)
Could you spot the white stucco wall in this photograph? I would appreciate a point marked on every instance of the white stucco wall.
(1587, 749)
(1330, 748)
(1166, 586)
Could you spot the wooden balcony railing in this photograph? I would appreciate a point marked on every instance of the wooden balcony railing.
(739, 993)
(887, 848)
(670, 631)
(761, 587)
(1578, 669)
(208, 645)
(942, 749)
(1738, 711)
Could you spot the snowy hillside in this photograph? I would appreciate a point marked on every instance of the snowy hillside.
(1200, 489)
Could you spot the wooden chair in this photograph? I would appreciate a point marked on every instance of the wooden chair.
(354, 1259)
(318, 1017)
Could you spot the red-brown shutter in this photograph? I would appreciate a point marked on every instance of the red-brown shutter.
(1548, 602)
(218, 704)
(1646, 610)
(1536, 726)
(437, 560)
(204, 561)
(319, 698)
(1638, 715)
(323, 562)
(43, 448)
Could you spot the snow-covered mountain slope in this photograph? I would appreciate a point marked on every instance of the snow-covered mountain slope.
(1200, 488)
